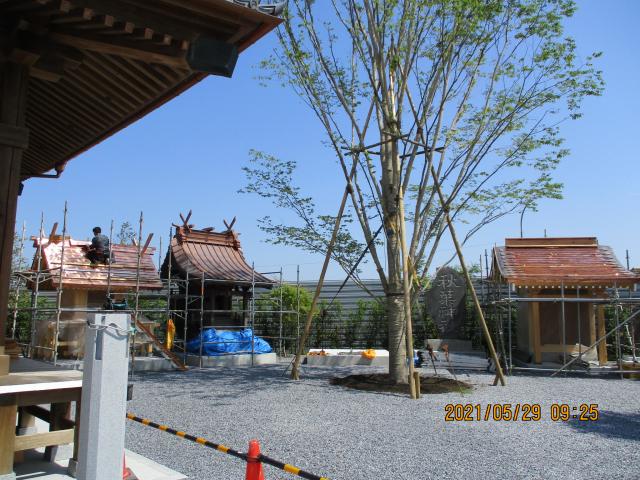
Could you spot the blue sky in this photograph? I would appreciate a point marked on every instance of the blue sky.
(189, 155)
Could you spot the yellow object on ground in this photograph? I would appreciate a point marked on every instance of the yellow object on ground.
(171, 333)
(369, 353)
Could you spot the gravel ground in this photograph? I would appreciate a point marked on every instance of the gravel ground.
(348, 434)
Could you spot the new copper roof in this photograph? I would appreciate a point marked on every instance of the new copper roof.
(77, 272)
(573, 261)
(96, 66)
(217, 255)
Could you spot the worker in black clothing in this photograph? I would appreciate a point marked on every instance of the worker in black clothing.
(98, 251)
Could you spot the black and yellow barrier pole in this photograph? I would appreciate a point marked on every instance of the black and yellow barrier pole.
(229, 451)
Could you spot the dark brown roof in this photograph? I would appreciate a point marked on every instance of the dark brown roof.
(217, 255)
(79, 274)
(574, 261)
(96, 66)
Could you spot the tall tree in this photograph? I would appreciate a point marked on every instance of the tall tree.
(475, 89)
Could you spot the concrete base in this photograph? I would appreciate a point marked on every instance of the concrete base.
(243, 360)
(346, 360)
(153, 364)
(34, 468)
(455, 345)
(8, 476)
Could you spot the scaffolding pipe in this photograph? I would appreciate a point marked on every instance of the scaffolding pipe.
(597, 342)
(252, 314)
(280, 315)
(618, 345)
(186, 314)
(137, 296)
(509, 333)
(59, 293)
(36, 288)
(564, 331)
(110, 260)
(18, 285)
(201, 317)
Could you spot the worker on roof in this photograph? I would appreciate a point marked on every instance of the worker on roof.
(99, 250)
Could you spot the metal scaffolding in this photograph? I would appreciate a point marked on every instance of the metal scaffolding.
(48, 306)
(502, 300)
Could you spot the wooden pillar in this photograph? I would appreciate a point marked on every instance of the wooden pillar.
(592, 323)
(602, 330)
(534, 315)
(13, 140)
(7, 437)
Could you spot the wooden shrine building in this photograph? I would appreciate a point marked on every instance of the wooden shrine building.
(210, 271)
(550, 269)
(62, 266)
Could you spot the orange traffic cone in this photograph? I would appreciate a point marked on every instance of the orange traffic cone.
(127, 474)
(254, 467)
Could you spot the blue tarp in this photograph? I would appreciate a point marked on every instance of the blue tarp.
(235, 342)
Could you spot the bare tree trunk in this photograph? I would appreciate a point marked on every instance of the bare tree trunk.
(398, 372)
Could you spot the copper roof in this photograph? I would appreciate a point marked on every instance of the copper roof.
(217, 255)
(79, 274)
(97, 66)
(573, 261)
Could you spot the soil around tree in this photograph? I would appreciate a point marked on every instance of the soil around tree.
(380, 382)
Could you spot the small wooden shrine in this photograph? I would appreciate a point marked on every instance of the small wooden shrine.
(552, 269)
(62, 266)
(210, 272)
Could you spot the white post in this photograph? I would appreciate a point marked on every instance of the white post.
(104, 397)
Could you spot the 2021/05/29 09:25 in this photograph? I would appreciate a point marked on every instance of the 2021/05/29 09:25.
(524, 412)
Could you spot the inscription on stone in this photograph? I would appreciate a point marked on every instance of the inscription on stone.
(445, 302)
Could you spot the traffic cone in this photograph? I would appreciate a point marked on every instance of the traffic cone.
(254, 467)
(127, 474)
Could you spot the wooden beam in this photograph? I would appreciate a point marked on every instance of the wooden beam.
(74, 16)
(46, 439)
(146, 244)
(148, 53)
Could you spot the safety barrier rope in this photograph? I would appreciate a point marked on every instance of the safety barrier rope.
(229, 451)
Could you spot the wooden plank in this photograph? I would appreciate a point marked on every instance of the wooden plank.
(7, 437)
(46, 439)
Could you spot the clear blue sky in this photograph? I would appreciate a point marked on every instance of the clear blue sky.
(189, 154)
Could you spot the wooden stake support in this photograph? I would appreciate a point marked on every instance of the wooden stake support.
(476, 302)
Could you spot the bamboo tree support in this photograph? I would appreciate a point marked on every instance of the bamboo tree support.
(407, 297)
(295, 370)
(476, 302)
